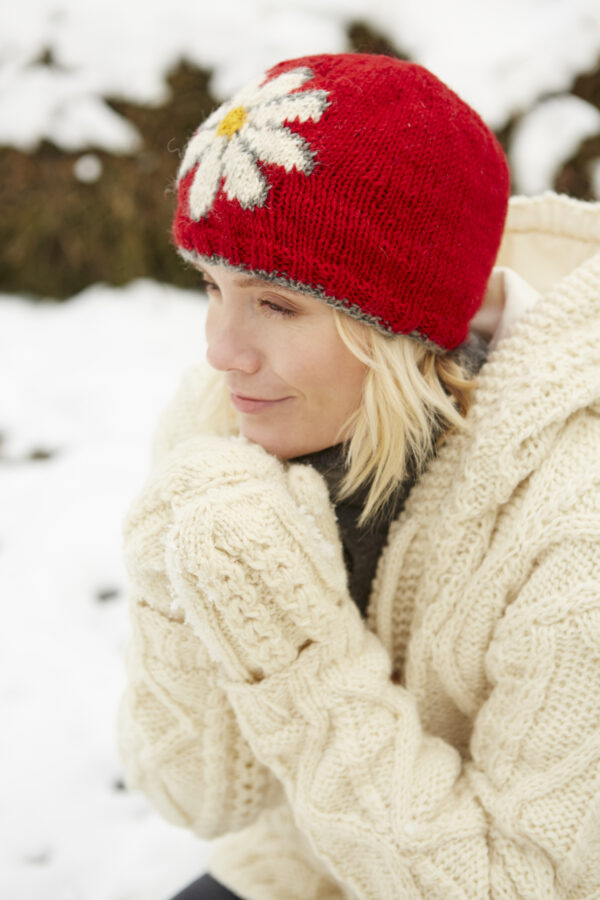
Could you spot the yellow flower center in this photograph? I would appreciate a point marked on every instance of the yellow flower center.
(233, 121)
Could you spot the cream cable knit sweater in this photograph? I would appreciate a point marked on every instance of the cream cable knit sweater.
(478, 774)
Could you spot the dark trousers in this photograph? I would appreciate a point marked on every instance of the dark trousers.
(206, 888)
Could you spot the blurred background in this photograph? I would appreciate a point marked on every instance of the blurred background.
(98, 318)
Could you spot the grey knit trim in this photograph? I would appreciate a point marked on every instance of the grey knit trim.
(351, 309)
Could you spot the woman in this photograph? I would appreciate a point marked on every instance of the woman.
(364, 568)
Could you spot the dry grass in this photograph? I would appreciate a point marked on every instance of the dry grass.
(59, 234)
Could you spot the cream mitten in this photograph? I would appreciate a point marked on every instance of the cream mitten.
(256, 564)
(191, 467)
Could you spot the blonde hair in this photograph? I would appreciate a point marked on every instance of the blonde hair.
(412, 399)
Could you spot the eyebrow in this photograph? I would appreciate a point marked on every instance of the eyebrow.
(251, 280)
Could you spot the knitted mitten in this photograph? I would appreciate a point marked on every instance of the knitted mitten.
(178, 736)
(256, 564)
(192, 467)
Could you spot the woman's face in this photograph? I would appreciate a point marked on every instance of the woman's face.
(291, 378)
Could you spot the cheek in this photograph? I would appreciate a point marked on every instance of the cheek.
(334, 379)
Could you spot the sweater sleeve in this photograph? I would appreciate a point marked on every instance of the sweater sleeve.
(178, 737)
(395, 811)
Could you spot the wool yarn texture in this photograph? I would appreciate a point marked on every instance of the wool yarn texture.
(258, 552)
(359, 179)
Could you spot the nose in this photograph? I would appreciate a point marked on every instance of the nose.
(230, 345)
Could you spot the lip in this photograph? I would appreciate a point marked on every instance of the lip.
(254, 404)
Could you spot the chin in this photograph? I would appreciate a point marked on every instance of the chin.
(280, 449)
(277, 445)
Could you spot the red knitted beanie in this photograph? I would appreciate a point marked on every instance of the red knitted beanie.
(359, 179)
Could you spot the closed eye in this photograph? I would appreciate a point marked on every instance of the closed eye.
(272, 308)
(269, 307)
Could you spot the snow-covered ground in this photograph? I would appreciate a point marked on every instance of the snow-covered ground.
(84, 381)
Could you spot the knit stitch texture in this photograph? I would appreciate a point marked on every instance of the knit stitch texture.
(452, 750)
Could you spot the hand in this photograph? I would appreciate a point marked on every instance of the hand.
(201, 462)
(190, 469)
(256, 564)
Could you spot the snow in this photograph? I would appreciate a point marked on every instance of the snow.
(500, 55)
(559, 124)
(43, 103)
(88, 168)
(89, 377)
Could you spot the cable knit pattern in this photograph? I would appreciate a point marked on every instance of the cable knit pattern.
(265, 555)
(475, 771)
(178, 736)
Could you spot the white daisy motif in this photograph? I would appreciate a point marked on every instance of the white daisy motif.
(247, 129)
